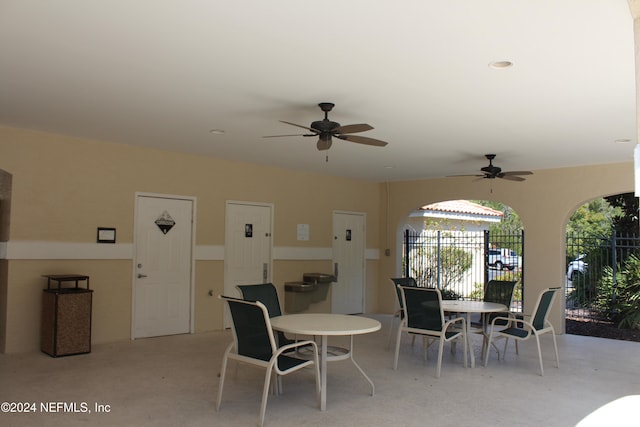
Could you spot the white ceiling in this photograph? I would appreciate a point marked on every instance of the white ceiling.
(163, 73)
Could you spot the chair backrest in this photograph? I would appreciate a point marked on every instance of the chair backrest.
(423, 307)
(402, 281)
(500, 291)
(266, 293)
(251, 328)
(541, 310)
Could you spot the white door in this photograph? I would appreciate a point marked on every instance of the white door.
(347, 293)
(247, 246)
(162, 266)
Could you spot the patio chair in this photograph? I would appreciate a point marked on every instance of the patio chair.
(501, 292)
(522, 329)
(424, 316)
(267, 294)
(399, 313)
(254, 343)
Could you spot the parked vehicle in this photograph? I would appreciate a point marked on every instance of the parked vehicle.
(503, 258)
(577, 267)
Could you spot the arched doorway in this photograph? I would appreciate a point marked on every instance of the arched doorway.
(602, 267)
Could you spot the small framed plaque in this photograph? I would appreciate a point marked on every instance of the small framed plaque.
(106, 235)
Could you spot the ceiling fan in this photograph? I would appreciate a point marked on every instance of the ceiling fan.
(491, 171)
(325, 130)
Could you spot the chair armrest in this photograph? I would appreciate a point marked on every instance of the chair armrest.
(510, 320)
(298, 344)
(456, 320)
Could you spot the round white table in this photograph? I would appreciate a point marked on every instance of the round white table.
(469, 307)
(325, 325)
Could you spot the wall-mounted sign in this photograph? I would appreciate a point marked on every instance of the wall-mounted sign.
(106, 235)
(248, 230)
(165, 222)
(303, 232)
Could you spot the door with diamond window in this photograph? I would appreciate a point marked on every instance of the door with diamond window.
(162, 266)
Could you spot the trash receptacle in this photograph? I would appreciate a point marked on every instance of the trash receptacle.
(66, 316)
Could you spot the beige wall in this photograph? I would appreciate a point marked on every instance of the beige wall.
(545, 202)
(64, 188)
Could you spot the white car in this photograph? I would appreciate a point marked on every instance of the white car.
(577, 267)
(503, 258)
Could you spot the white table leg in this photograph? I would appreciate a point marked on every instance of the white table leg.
(472, 357)
(323, 372)
(373, 387)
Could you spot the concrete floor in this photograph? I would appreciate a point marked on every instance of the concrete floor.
(172, 381)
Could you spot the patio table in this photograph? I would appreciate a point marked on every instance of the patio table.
(325, 325)
(470, 307)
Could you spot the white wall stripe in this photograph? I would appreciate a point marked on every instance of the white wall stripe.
(35, 250)
(301, 253)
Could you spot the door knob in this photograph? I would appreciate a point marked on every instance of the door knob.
(140, 276)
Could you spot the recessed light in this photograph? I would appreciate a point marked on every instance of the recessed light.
(499, 65)
(217, 131)
(622, 141)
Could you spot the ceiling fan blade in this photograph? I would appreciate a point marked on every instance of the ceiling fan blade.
(297, 134)
(362, 140)
(518, 173)
(511, 177)
(352, 128)
(453, 176)
(300, 126)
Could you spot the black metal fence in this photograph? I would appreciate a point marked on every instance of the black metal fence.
(459, 263)
(591, 262)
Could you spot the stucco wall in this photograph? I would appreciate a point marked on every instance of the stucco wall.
(64, 188)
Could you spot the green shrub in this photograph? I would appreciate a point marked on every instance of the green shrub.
(478, 292)
(619, 300)
(440, 267)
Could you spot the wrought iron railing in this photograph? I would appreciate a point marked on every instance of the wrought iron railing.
(593, 264)
(459, 263)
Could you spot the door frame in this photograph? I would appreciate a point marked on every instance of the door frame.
(193, 200)
(363, 215)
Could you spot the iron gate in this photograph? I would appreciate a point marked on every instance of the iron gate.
(459, 263)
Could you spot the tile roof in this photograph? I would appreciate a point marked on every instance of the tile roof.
(462, 206)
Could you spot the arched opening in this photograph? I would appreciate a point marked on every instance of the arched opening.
(458, 246)
(602, 282)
